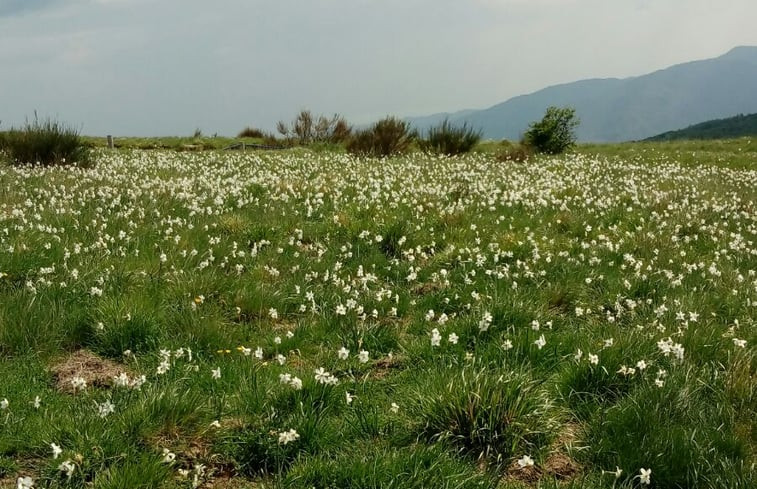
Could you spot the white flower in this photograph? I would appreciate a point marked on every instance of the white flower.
(394, 408)
(281, 359)
(215, 424)
(259, 353)
(363, 356)
(739, 343)
(645, 476)
(24, 483)
(288, 436)
(78, 383)
(67, 467)
(349, 397)
(37, 402)
(168, 456)
(121, 380)
(216, 373)
(507, 345)
(578, 355)
(56, 450)
(453, 338)
(343, 353)
(285, 378)
(105, 408)
(296, 383)
(324, 377)
(277, 340)
(4, 404)
(540, 342)
(436, 338)
(593, 359)
(525, 461)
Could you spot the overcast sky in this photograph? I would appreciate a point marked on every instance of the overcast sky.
(166, 67)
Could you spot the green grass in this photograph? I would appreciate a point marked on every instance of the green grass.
(597, 307)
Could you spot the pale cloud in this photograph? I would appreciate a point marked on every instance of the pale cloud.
(169, 66)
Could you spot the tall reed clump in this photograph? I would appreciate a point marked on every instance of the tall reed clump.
(45, 142)
(387, 137)
(307, 129)
(450, 140)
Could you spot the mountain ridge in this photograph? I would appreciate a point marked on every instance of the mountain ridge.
(632, 108)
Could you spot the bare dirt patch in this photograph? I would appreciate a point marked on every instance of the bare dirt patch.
(96, 371)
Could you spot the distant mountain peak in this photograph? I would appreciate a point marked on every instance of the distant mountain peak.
(630, 108)
(742, 52)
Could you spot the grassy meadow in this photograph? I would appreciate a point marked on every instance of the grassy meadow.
(296, 319)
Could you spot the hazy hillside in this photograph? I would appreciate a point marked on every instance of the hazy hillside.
(732, 127)
(630, 108)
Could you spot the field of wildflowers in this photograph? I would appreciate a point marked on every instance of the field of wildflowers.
(297, 320)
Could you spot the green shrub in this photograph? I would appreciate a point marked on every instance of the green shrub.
(251, 132)
(514, 153)
(555, 133)
(45, 142)
(450, 140)
(387, 137)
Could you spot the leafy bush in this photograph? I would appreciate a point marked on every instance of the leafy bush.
(45, 142)
(387, 137)
(555, 133)
(450, 140)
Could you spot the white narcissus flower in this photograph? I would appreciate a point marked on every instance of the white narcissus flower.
(216, 373)
(56, 450)
(288, 436)
(67, 468)
(168, 456)
(4, 404)
(343, 353)
(436, 338)
(453, 338)
(645, 476)
(525, 461)
(540, 342)
(24, 483)
(363, 356)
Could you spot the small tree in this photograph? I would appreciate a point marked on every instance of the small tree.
(555, 133)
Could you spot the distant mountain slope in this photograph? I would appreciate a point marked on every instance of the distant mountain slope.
(732, 127)
(630, 108)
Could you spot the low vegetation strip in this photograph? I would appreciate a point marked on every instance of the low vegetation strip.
(297, 319)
